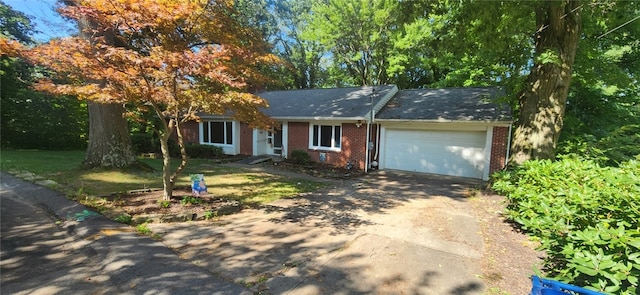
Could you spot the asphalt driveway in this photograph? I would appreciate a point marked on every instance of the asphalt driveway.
(386, 233)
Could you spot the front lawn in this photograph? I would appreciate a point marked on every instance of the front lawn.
(65, 168)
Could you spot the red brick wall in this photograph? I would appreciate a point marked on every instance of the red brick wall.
(499, 146)
(246, 139)
(298, 137)
(190, 131)
(353, 144)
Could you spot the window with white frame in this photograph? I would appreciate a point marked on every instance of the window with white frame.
(217, 132)
(326, 137)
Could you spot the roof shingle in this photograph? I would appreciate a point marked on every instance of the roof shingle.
(353, 102)
(447, 104)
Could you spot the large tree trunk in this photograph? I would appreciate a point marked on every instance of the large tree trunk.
(543, 102)
(109, 140)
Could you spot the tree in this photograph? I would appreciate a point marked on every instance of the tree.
(357, 33)
(548, 73)
(303, 56)
(177, 58)
(380, 42)
(543, 101)
(109, 139)
(30, 119)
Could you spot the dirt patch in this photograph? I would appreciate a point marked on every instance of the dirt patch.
(184, 206)
(319, 170)
(510, 257)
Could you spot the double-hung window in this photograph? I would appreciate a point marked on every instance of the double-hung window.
(217, 132)
(327, 137)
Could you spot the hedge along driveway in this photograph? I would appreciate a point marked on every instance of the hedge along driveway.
(585, 216)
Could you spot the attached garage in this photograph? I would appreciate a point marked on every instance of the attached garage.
(455, 153)
(450, 131)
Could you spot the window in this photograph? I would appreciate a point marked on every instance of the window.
(218, 132)
(325, 137)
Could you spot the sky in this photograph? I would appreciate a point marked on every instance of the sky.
(47, 21)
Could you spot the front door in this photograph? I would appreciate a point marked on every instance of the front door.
(274, 141)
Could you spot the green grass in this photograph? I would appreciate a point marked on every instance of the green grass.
(65, 168)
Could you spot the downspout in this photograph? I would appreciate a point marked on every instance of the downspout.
(375, 156)
(366, 146)
(506, 160)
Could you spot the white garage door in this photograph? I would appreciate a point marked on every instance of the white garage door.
(455, 153)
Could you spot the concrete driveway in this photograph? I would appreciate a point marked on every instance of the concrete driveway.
(386, 233)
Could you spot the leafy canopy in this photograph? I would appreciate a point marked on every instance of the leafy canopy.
(180, 57)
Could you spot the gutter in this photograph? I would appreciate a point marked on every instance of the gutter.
(443, 121)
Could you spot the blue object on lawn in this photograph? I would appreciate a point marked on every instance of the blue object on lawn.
(550, 287)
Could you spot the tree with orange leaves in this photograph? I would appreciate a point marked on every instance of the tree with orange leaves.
(174, 58)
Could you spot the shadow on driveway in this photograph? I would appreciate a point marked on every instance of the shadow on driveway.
(387, 233)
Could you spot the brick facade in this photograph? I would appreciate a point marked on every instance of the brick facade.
(353, 147)
(190, 132)
(353, 143)
(499, 146)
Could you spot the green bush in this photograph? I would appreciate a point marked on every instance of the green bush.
(301, 157)
(143, 142)
(204, 151)
(585, 216)
(621, 145)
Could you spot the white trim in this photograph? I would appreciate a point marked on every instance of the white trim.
(255, 142)
(229, 149)
(381, 103)
(333, 147)
(285, 139)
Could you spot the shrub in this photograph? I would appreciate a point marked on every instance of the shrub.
(621, 145)
(585, 216)
(143, 142)
(204, 151)
(301, 157)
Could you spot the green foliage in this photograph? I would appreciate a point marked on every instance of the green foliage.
(583, 147)
(585, 216)
(204, 151)
(145, 142)
(549, 57)
(623, 144)
(189, 200)
(143, 229)
(30, 119)
(15, 24)
(124, 218)
(209, 214)
(301, 157)
(164, 203)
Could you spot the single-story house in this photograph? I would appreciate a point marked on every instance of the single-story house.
(451, 131)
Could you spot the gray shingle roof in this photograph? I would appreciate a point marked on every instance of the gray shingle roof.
(333, 103)
(447, 104)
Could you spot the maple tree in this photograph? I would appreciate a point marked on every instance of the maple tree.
(174, 58)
